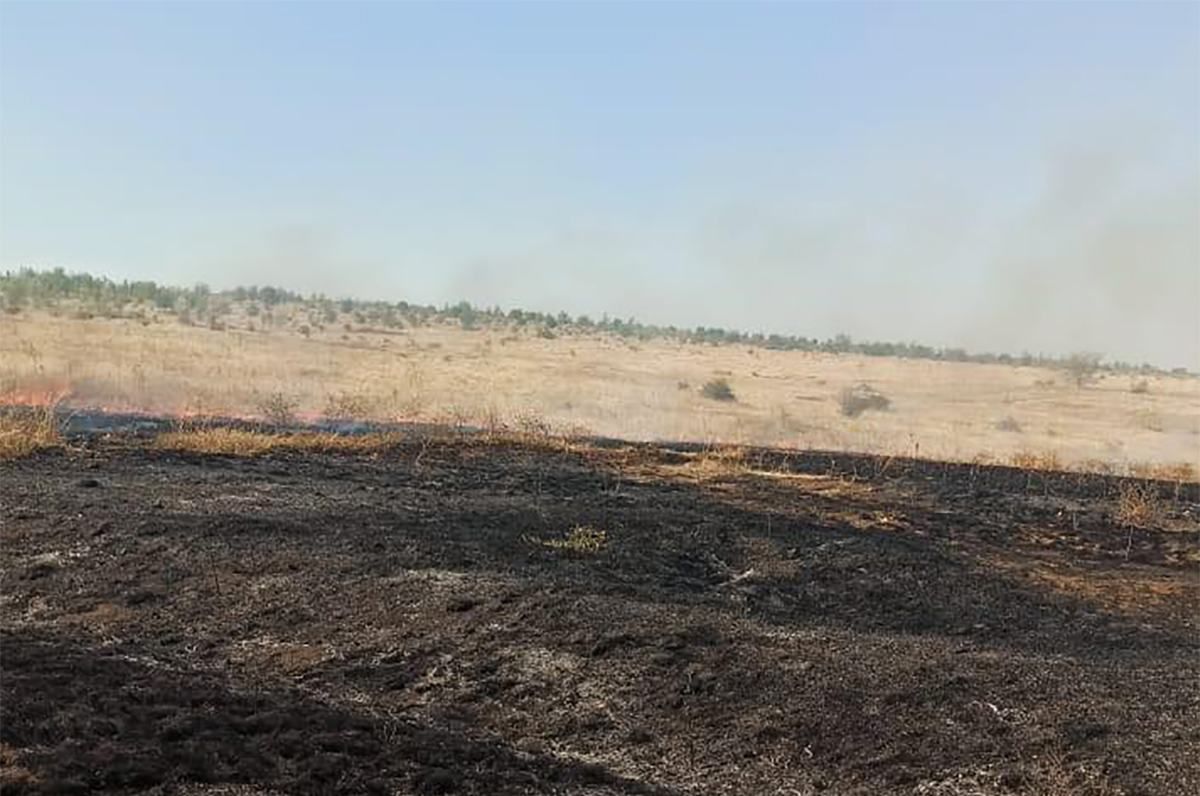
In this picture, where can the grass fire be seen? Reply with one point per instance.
(599, 399)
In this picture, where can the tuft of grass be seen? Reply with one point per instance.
(219, 441)
(532, 426)
(1031, 460)
(27, 430)
(1138, 505)
(582, 540)
(724, 458)
(718, 390)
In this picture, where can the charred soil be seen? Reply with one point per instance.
(457, 616)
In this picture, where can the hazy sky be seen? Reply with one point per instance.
(1001, 176)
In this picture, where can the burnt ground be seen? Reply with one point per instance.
(415, 622)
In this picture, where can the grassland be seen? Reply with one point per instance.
(602, 385)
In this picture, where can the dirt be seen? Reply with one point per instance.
(422, 621)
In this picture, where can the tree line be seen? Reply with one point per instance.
(28, 287)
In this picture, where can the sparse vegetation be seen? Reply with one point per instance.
(718, 390)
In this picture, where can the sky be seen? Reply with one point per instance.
(1000, 176)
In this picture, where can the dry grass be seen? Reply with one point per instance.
(1179, 472)
(1032, 460)
(25, 432)
(1057, 776)
(239, 442)
(723, 459)
(1138, 505)
(582, 540)
(940, 410)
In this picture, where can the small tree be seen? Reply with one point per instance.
(1082, 367)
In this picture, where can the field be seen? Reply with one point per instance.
(604, 385)
(500, 614)
(583, 564)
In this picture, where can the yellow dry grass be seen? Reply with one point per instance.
(581, 540)
(27, 432)
(1138, 505)
(1033, 460)
(1178, 472)
(239, 442)
(516, 380)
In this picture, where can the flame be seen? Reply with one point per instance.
(39, 396)
(60, 394)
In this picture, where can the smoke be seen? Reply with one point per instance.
(1106, 258)
(1095, 247)
(307, 256)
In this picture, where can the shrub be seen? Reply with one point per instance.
(1138, 505)
(1008, 424)
(1149, 420)
(861, 398)
(278, 408)
(347, 406)
(718, 390)
(1140, 387)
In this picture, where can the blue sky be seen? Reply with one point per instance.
(1002, 176)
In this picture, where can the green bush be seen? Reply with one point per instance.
(718, 390)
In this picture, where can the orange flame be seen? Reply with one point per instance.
(40, 395)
